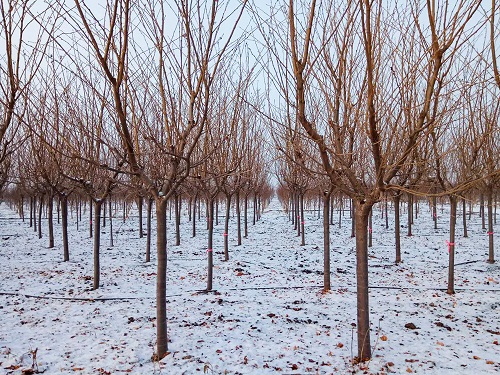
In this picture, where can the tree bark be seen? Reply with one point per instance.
(481, 211)
(178, 203)
(90, 215)
(50, 219)
(226, 228)
(464, 217)
(361, 214)
(326, 241)
(210, 253)
(64, 220)
(491, 249)
(245, 215)
(410, 214)
(451, 246)
(238, 217)
(40, 207)
(194, 216)
(148, 230)
(140, 201)
(161, 278)
(302, 221)
(111, 243)
(97, 243)
(397, 226)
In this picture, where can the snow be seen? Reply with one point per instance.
(267, 313)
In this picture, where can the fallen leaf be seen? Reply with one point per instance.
(476, 357)
(383, 338)
(409, 370)
(340, 345)
(295, 367)
(490, 362)
(440, 343)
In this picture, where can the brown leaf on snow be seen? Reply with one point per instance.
(490, 362)
(340, 345)
(411, 326)
(295, 367)
(476, 357)
(409, 370)
(383, 338)
(440, 343)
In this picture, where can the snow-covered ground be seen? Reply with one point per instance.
(267, 315)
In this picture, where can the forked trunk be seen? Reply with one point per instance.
(361, 213)
(161, 278)
(451, 246)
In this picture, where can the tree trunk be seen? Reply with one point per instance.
(410, 214)
(178, 203)
(161, 278)
(370, 229)
(148, 230)
(110, 209)
(361, 214)
(491, 250)
(31, 212)
(216, 211)
(104, 215)
(326, 241)
(353, 218)
(254, 209)
(50, 218)
(64, 220)
(90, 214)
(481, 212)
(451, 246)
(302, 221)
(397, 226)
(210, 253)
(226, 228)
(464, 217)
(140, 201)
(194, 215)
(40, 207)
(245, 219)
(434, 212)
(97, 243)
(386, 209)
(238, 217)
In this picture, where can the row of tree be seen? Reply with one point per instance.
(369, 98)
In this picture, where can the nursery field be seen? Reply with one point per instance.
(267, 313)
